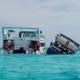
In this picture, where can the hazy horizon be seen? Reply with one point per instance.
(52, 16)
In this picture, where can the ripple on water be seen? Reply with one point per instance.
(39, 67)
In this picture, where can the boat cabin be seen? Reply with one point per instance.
(22, 40)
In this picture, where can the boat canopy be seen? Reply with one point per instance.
(16, 32)
(70, 39)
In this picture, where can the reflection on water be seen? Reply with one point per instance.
(39, 67)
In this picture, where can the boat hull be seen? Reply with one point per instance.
(53, 51)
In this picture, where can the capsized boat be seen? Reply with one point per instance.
(63, 45)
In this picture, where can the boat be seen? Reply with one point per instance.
(22, 40)
(63, 45)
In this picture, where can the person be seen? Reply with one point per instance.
(66, 44)
(8, 34)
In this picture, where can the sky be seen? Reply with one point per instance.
(52, 16)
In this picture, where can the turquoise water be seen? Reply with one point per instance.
(39, 67)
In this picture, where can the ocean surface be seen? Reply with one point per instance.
(39, 67)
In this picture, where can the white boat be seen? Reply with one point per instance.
(22, 40)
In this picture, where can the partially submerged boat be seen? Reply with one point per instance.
(63, 45)
(22, 40)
